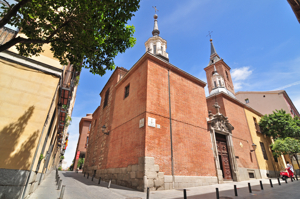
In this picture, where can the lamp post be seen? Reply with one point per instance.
(103, 130)
(254, 147)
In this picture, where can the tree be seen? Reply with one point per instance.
(83, 32)
(80, 162)
(280, 125)
(285, 131)
(286, 146)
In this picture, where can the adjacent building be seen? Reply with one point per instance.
(36, 98)
(84, 131)
(295, 5)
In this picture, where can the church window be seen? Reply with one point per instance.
(154, 49)
(215, 83)
(162, 49)
(220, 83)
(126, 91)
(247, 101)
(106, 98)
(227, 75)
(263, 150)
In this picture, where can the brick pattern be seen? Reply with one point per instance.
(191, 139)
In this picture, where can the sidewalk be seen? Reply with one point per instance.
(78, 186)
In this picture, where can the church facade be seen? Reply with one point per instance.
(156, 128)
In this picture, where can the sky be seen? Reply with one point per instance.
(259, 40)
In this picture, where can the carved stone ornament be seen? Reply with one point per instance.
(218, 121)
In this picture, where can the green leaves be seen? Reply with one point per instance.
(285, 146)
(86, 33)
(280, 125)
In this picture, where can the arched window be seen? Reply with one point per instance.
(215, 83)
(220, 83)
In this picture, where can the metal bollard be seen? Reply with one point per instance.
(99, 180)
(261, 185)
(184, 194)
(271, 183)
(62, 192)
(59, 184)
(296, 177)
(109, 184)
(278, 181)
(148, 192)
(249, 186)
(235, 190)
(88, 176)
(57, 180)
(285, 180)
(217, 193)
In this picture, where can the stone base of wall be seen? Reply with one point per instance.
(188, 181)
(269, 174)
(244, 173)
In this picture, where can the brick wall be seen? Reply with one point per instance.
(191, 140)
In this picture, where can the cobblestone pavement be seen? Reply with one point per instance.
(78, 187)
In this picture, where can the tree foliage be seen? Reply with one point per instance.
(280, 125)
(83, 32)
(285, 131)
(286, 146)
(80, 162)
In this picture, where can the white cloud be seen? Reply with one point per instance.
(73, 139)
(241, 73)
(287, 86)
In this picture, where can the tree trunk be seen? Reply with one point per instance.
(295, 155)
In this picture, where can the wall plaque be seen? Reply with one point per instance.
(141, 123)
(151, 121)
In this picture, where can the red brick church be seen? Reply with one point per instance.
(156, 128)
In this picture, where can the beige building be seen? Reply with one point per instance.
(268, 101)
(36, 94)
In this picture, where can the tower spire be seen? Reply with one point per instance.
(155, 31)
(212, 48)
(214, 57)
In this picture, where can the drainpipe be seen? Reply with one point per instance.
(36, 151)
(172, 159)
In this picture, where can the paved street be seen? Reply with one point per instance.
(78, 186)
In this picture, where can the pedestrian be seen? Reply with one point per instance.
(290, 169)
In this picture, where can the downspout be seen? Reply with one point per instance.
(172, 159)
(36, 151)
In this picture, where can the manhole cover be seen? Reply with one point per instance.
(225, 197)
(182, 189)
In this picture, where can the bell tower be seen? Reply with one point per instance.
(157, 45)
(217, 66)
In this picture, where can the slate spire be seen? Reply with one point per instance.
(214, 57)
(212, 48)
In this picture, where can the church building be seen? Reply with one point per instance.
(156, 128)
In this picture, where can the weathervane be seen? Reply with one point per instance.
(209, 34)
(155, 9)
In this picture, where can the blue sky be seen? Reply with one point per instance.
(259, 40)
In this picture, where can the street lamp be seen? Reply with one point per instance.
(254, 147)
(103, 130)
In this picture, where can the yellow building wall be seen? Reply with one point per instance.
(25, 98)
(269, 164)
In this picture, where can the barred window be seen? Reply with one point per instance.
(126, 91)
(106, 98)
(263, 150)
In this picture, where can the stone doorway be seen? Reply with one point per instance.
(223, 156)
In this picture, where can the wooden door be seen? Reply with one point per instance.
(224, 158)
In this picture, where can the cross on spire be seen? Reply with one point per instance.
(155, 9)
(209, 34)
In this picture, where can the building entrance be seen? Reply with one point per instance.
(223, 156)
